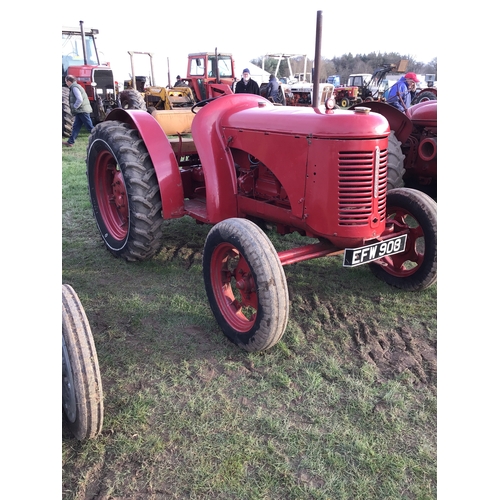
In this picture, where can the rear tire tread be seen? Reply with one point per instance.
(145, 207)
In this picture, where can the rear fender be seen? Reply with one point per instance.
(162, 157)
(398, 121)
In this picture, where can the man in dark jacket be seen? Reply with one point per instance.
(179, 82)
(80, 108)
(246, 85)
(272, 89)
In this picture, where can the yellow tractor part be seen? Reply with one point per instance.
(168, 98)
(174, 121)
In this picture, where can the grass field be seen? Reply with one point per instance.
(343, 407)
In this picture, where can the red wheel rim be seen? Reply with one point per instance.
(234, 287)
(111, 195)
(406, 263)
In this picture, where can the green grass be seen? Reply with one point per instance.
(343, 407)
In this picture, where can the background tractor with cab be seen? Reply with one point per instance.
(80, 58)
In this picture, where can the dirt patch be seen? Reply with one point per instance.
(395, 351)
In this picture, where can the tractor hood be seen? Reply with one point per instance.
(260, 115)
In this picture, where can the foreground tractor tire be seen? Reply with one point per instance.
(395, 163)
(124, 191)
(245, 284)
(425, 95)
(82, 396)
(415, 213)
(67, 117)
(132, 99)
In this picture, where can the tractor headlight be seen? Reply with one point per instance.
(330, 103)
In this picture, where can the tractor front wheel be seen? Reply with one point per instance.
(245, 284)
(82, 396)
(124, 191)
(344, 102)
(414, 213)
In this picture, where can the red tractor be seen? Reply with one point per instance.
(210, 74)
(316, 171)
(322, 174)
(412, 145)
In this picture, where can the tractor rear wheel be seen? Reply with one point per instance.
(82, 396)
(132, 99)
(124, 191)
(395, 163)
(245, 284)
(414, 213)
(425, 95)
(67, 117)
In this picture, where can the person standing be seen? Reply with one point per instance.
(272, 89)
(404, 90)
(246, 85)
(80, 108)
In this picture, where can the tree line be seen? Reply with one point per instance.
(346, 64)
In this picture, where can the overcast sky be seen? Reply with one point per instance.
(245, 32)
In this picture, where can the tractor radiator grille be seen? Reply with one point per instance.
(360, 200)
(104, 79)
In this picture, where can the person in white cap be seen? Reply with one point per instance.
(403, 91)
(246, 85)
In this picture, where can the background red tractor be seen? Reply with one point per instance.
(209, 75)
(80, 58)
(318, 172)
(413, 145)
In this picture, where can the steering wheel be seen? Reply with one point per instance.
(200, 104)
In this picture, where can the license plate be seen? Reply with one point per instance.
(361, 255)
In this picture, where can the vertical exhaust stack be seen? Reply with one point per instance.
(317, 58)
(83, 44)
(217, 76)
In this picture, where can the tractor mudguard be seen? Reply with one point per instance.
(398, 121)
(217, 161)
(424, 114)
(162, 156)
